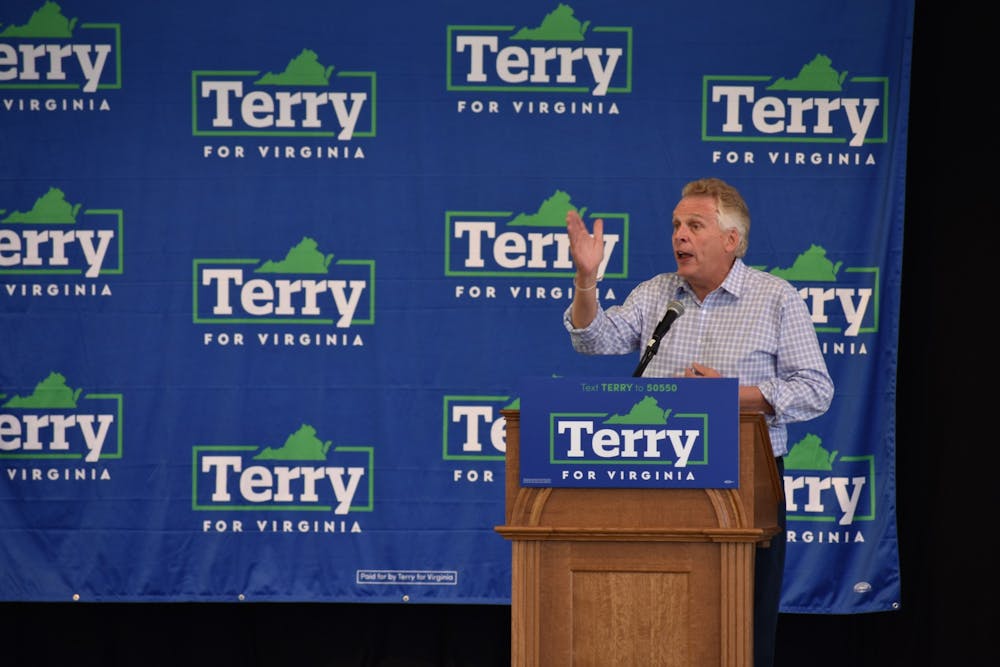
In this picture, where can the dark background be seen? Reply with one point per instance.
(942, 457)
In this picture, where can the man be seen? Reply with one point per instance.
(737, 322)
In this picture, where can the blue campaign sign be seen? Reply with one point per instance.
(608, 432)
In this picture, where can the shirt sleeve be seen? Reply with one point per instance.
(615, 330)
(802, 388)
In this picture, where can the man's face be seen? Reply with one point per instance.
(704, 252)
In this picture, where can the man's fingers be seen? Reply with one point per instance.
(578, 233)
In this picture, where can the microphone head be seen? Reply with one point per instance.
(676, 306)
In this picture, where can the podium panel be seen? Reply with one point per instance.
(656, 577)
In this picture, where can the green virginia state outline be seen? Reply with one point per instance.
(47, 21)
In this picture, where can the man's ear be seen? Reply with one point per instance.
(732, 239)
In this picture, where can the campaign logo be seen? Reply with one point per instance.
(532, 245)
(52, 63)
(823, 487)
(307, 289)
(475, 431)
(841, 114)
(842, 301)
(308, 106)
(58, 248)
(59, 433)
(304, 474)
(644, 445)
(569, 66)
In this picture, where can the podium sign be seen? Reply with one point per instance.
(638, 433)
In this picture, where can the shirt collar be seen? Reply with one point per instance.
(733, 284)
(736, 279)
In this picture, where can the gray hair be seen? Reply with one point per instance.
(731, 209)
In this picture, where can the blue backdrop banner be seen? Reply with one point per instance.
(269, 273)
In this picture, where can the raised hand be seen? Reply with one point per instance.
(587, 249)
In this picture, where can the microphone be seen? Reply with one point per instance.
(674, 310)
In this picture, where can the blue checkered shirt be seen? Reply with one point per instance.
(754, 327)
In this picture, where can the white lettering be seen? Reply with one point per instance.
(795, 115)
(281, 484)
(283, 297)
(261, 109)
(45, 61)
(514, 64)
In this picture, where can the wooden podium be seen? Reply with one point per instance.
(650, 577)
